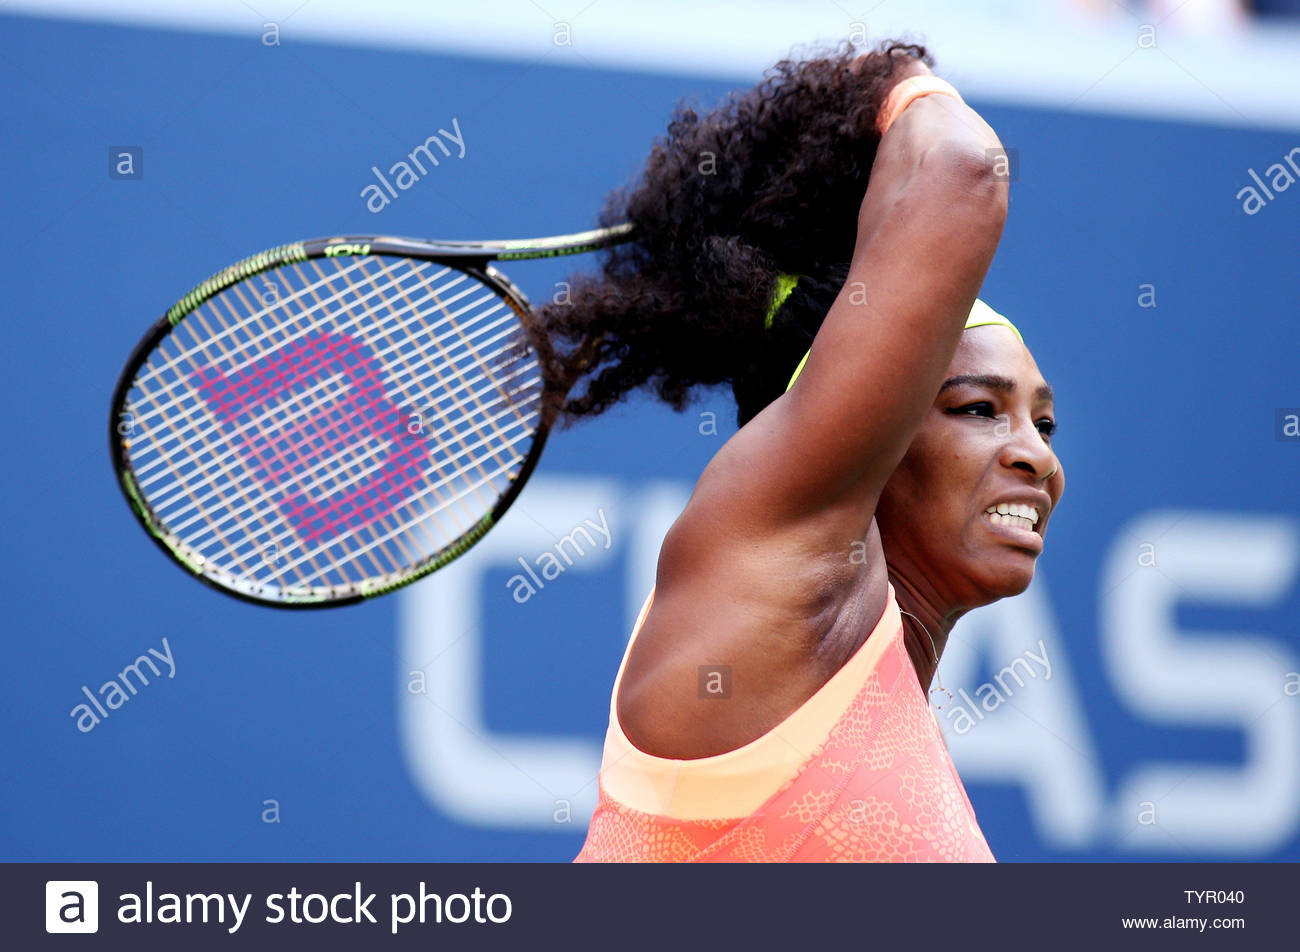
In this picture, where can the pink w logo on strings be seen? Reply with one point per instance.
(317, 399)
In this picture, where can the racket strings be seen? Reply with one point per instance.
(462, 407)
(454, 433)
(276, 449)
(204, 344)
(508, 333)
(265, 525)
(347, 477)
(448, 479)
(442, 503)
(490, 441)
(436, 433)
(262, 342)
(344, 425)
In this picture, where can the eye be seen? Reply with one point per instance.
(985, 408)
(1046, 426)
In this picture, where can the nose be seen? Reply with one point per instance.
(1026, 449)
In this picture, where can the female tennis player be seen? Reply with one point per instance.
(772, 702)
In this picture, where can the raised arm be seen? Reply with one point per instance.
(757, 569)
(928, 227)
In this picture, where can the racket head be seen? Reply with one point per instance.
(330, 420)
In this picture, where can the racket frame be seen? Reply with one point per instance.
(472, 257)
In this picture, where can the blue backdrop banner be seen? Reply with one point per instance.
(463, 718)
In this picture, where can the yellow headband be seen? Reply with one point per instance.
(784, 285)
(980, 315)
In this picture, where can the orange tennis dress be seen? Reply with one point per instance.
(859, 772)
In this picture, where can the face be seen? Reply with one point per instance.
(984, 444)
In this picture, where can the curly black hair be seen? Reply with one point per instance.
(769, 182)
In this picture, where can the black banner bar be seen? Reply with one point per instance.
(504, 906)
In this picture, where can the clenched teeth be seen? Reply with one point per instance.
(1014, 514)
(1018, 522)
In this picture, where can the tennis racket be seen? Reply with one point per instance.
(333, 419)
